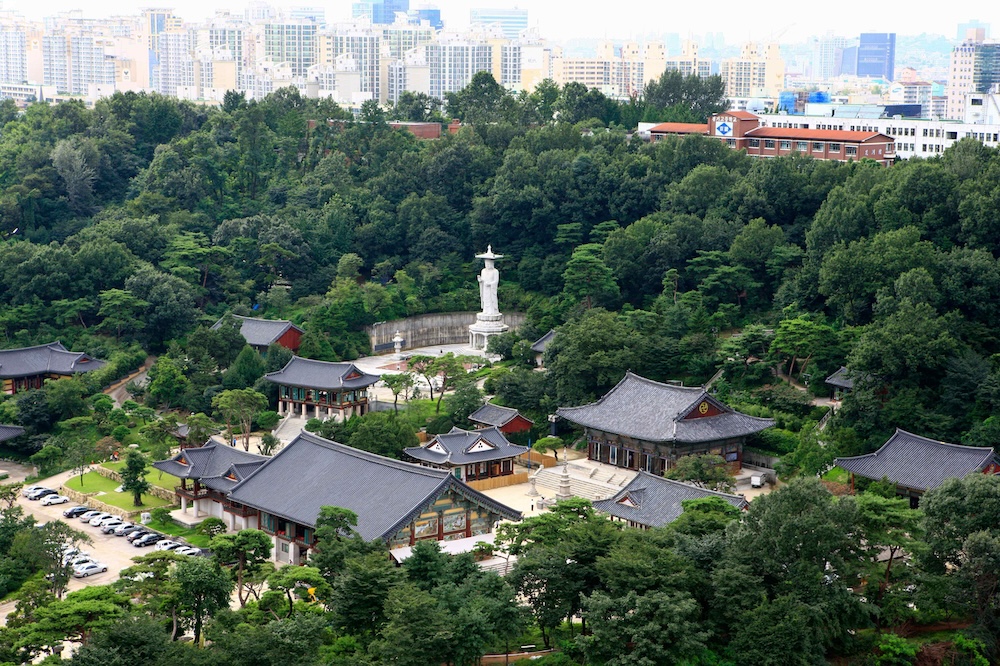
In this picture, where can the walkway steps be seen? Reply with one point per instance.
(581, 484)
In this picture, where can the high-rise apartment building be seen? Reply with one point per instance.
(174, 68)
(511, 21)
(453, 60)
(688, 63)
(291, 41)
(619, 72)
(13, 55)
(975, 67)
(759, 71)
(877, 55)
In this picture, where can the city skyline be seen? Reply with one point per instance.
(784, 22)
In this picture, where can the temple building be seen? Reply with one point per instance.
(261, 333)
(397, 502)
(917, 464)
(645, 425)
(470, 455)
(322, 389)
(841, 381)
(28, 367)
(9, 432)
(507, 419)
(539, 346)
(653, 501)
(207, 475)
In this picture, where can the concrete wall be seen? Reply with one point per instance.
(448, 328)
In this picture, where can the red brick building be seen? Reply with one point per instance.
(741, 130)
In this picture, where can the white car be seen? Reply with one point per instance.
(188, 550)
(40, 493)
(99, 518)
(120, 530)
(49, 500)
(88, 568)
(85, 517)
(167, 544)
(110, 526)
(107, 519)
(27, 490)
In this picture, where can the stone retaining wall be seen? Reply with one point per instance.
(427, 330)
(98, 505)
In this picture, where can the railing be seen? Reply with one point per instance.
(714, 379)
(823, 421)
(243, 511)
(190, 493)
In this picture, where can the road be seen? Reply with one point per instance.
(117, 390)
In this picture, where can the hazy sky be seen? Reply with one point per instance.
(561, 19)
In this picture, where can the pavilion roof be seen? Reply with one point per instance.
(52, 358)
(917, 462)
(465, 447)
(308, 373)
(260, 332)
(495, 415)
(647, 410)
(655, 501)
(205, 462)
(311, 472)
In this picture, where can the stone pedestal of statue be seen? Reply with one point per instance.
(489, 322)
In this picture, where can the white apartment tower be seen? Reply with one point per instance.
(13, 55)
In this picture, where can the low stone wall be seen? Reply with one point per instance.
(445, 328)
(155, 491)
(91, 501)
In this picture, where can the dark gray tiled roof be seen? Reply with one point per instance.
(227, 480)
(650, 411)
(917, 462)
(841, 379)
(260, 332)
(312, 472)
(495, 415)
(307, 373)
(208, 461)
(657, 500)
(52, 358)
(457, 446)
(541, 343)
(9, 432)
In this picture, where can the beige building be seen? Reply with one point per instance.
(975, 67)
(619, 72)
(759, 71)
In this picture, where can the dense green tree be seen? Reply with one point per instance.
(203, 589)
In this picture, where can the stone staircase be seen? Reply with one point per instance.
(589, 483)
(289, 428)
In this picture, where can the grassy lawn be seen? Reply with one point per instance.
(92, 483)
(188, 534)
(837, 475)
(154, 476)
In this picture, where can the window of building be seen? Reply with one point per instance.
(769, 143)
(976, 102)
(802, 146)
(755, 143)
(817, 147)
(613, 455)
(786, 145)
(852, 151)
(834, 147)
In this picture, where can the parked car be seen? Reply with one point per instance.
(147, 540)
(107, 519)
(188, 550)
(86, 516)
(113, 525)
(69, 552)
(141, 532)
(89, 568)
(167, 544)
(96, 520)
(76, 511)
(27, 490)
(50, 500)
(40, 493)
(78, 559)
(127, 529)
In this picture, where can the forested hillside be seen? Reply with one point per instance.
(132, 227)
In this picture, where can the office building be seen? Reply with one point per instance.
(379, 12)
(827, 56)
(511, 21)
(877, 55)
(972, 24)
